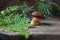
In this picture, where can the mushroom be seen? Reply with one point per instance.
(37, 17)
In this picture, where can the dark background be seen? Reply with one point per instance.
(5, 3)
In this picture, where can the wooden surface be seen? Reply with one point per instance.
(51, 27)
(47, 30)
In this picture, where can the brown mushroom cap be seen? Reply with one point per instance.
(38, 15)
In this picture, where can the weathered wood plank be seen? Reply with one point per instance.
(48, 30)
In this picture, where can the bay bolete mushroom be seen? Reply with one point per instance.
(37, 17)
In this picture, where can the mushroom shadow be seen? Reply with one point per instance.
(45, 24)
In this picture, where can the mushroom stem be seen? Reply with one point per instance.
(35, 21)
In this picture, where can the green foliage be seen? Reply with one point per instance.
(43, 7)
(16, 9)
(55, 10)
(20, 25)
(48, 8)
(14, 19)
